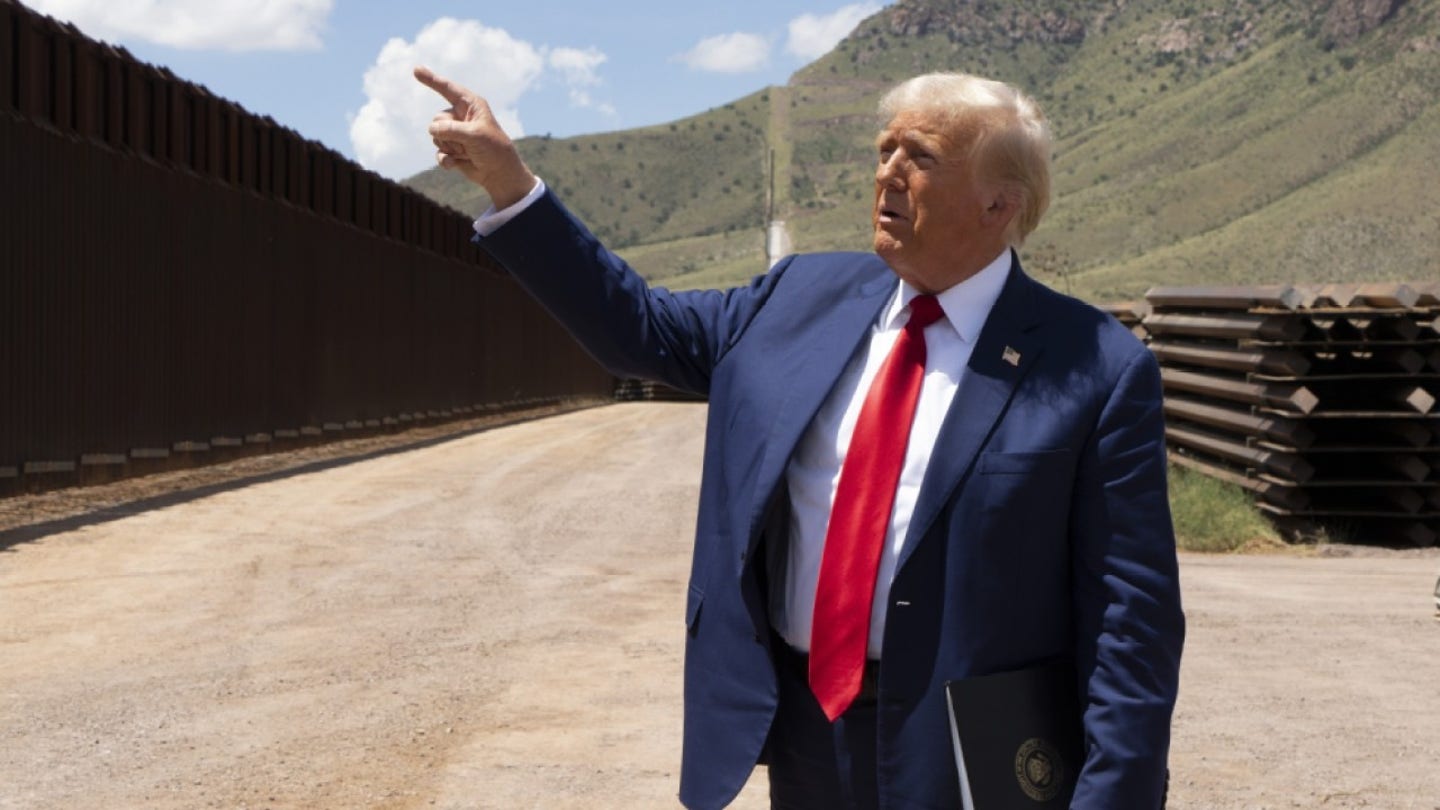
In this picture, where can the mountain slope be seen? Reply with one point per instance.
(698, 182)
(1197, 141)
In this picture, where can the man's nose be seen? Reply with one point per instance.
(890, 171)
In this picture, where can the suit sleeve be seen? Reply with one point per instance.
(632, 329)
(1129, 624)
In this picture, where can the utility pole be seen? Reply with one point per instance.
(770, 190)
(777, 241)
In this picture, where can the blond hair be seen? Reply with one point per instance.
(1008, 135)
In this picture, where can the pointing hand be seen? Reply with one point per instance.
(469, 140)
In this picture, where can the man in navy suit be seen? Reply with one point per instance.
(1027, 519)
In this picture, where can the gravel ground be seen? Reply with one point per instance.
(494, 621)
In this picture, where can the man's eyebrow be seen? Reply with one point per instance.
(911, 135)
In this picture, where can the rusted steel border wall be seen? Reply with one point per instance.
(1323, 402)
(179, 276)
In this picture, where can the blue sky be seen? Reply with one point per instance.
(337, 71)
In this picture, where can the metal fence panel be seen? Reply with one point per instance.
(178, 276)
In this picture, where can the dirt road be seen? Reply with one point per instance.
(495, 622)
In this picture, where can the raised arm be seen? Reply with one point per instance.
(631, 329)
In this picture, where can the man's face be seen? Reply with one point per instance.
(934, 221)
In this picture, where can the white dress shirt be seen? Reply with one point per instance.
(491, 220)
(814, 469)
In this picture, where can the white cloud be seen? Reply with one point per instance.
(728, 53)
(577, 70)
(813, 35)
(226, 25)
(389, 131)
(577, 66)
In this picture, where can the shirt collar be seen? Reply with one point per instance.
(966, 304)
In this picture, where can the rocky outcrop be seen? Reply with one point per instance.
(975, 21)
(1348, 20)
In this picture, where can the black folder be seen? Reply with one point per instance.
(1017, 737)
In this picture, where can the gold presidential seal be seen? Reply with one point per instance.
(1039, 769)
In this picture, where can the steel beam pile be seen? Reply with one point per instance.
(1132, 314)
(1324, 402)
(630, 390)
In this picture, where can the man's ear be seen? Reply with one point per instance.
(1004, 205)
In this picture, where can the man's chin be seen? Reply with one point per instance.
(885, 245)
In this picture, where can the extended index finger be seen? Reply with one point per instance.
(453, 93)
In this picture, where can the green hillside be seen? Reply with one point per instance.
(1208, 141)
(687, 195)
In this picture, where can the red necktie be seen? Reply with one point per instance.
(860, 517)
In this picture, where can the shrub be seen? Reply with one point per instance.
(1211, 515)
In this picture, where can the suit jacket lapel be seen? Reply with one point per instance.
(1004, 352)
(810, 372)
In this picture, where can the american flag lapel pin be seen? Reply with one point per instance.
(1011, 356)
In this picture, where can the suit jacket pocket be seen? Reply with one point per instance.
(1021, 463)
(1023, 501)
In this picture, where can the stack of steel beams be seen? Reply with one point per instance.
(1132, 314)
(630, 390)
(1322, 401)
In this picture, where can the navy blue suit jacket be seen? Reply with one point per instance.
(1042, 526)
